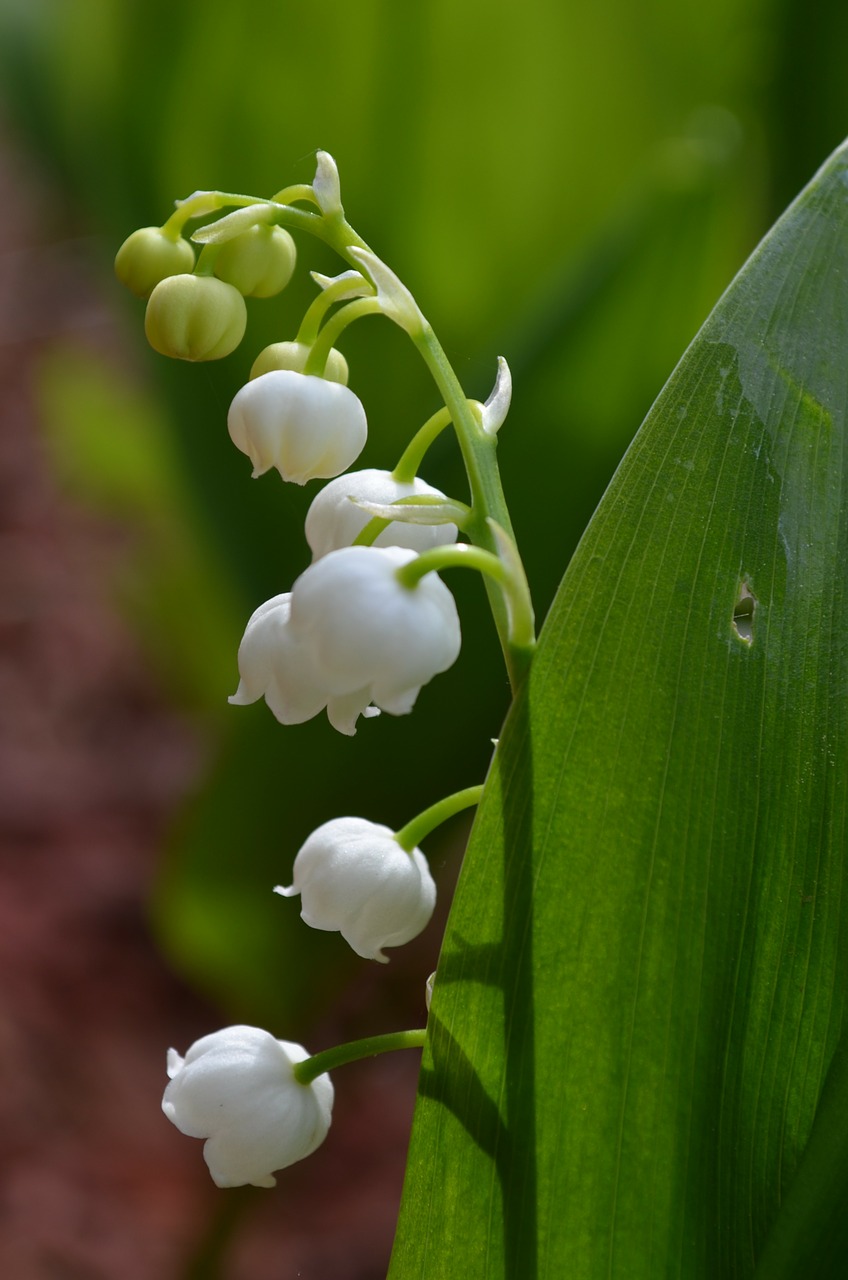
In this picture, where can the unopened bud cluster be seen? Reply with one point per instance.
(201, 315)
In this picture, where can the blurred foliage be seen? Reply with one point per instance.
(570, 186)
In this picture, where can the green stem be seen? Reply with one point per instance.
(205, 265)
(300, 191)
(410, 836)
(461, 555)
(515, 606)
(375, 526)
(318, 308)
(410, 460)
(370, 532)
(308, 1070)
(336, 325)
(478, 450)
(202, 203)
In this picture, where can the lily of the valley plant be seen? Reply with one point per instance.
(361, 631)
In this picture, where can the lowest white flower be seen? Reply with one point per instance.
(348, 635)
(236, 1088)
(353, 876)
(305, 426)
(334, 521)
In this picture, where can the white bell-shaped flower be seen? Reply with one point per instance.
(304, 426)
(237, 1089)
(273, 666)
(346, 636)
(353, 876)
(334, 521)
(368, 635)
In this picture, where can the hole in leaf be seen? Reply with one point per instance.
(743, 613)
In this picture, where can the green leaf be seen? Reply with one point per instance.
(810, 1235)
(643, 981)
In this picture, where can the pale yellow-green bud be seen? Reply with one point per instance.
(259, 262)
(148, 256)
(293, 356)
(195, 318)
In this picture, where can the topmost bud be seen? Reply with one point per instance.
(326, 185)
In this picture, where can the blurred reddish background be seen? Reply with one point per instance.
(94, 1182)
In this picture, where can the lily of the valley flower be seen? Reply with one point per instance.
(236, 1088)
(334, 520)
(273, 665)
(354, 877)
(348, 635)
(305, 426)
(368, 635)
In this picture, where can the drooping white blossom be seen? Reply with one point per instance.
(305, 426)
(273, 666)
(236, 1088)
(366, 633)
(346, 636)
(334, 520)
(354, 877)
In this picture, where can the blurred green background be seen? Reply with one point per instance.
(569, 186)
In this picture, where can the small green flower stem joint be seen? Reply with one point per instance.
(200, 205)
(335, 292)
(326, 339)
(410, 836)
(369, 1047)
(416, 505)
(413, 455)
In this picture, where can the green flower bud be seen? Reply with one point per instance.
(148, 256)
(259, 262)
(195, 318)
(293, 355)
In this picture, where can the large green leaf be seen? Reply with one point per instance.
(643, 982)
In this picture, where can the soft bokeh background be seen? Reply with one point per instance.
(571, 187)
